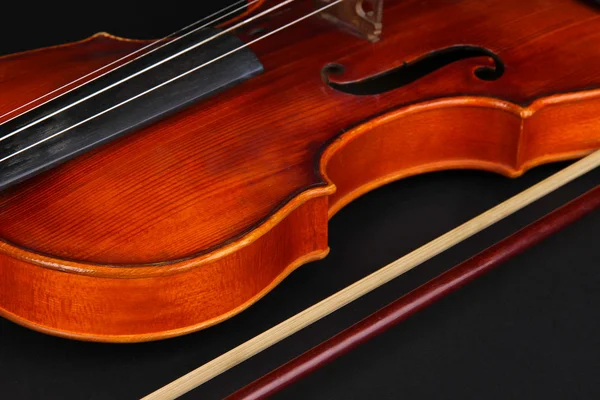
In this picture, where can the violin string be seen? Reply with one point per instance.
(185, 73)
(350, 293)
(50, 115)
(179, 34)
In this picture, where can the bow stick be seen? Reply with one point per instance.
(416, 300)
(358, 289)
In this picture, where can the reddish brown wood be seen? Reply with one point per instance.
(194, 218)
(409, 304)
(252, 7)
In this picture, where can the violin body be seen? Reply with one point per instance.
(190, 220)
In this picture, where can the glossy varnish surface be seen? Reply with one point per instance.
(191, 196)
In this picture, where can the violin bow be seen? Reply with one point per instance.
(378, 278)
(418, 299)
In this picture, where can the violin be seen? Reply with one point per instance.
(151, 189)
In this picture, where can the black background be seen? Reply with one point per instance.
(527, 330)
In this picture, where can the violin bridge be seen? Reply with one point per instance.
(361, 18)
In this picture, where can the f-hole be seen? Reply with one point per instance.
(411, 71)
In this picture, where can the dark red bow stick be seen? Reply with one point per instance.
(419, 298)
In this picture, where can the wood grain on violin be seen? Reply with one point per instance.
(190, 220)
